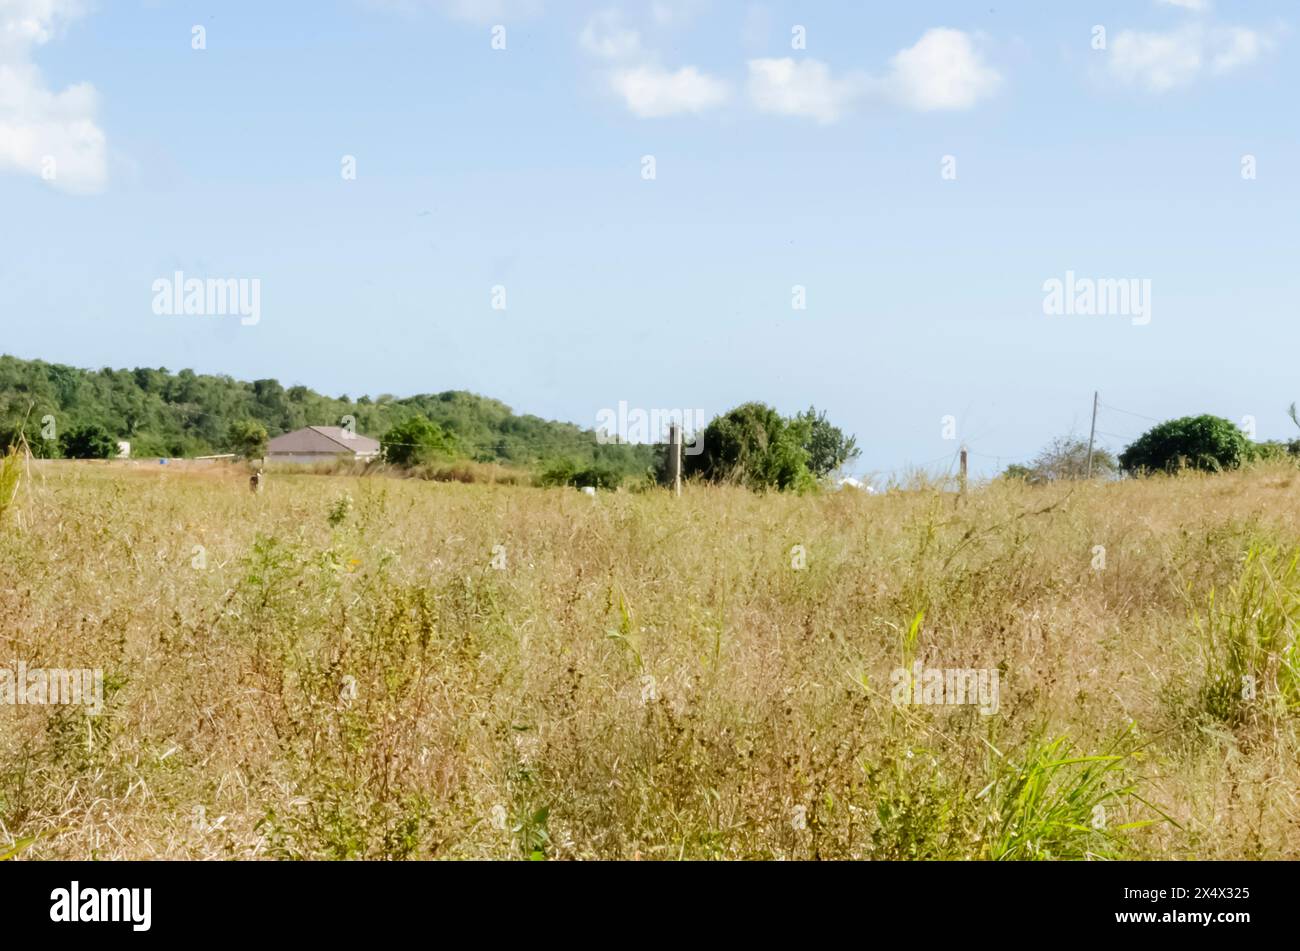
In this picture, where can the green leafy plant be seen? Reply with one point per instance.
(754, 446)
(10, 475)
(20, 846)
(247, 439)
(416, 441)
(1251, 646)
(1198, 442)
(567, 472)
(88, 442)
(827, 447)
(1050, 802)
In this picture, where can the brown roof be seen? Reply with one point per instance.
(322, 439)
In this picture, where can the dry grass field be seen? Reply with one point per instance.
(352, 668)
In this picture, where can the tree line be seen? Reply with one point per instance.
(70, 412)
(1207, 443)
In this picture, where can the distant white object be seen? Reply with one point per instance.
(589, 489)
(848, 482)
(123, 449)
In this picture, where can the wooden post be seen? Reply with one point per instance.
(961, 489)
(675, 456)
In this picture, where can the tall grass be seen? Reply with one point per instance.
(10, 475)
(1251, 649)
(343, 667)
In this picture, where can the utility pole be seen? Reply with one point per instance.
(1092, 432)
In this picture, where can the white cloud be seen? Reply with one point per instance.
(1196, 6)
(605, 36)
(650, 90)
(1240, 47)
(944, 70)
(1163, 61)
(43, 131)
(1158, 61)
(804, 87)
(653, 92)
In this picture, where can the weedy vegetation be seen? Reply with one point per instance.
(349, 667)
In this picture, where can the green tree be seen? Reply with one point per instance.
(89, 441)
(13, 435)
(1200, 442)
(186, 414)
(247, 438)
(1018, 471)
(416, 441)
(752, 445)
(827, 446)
(567, 472)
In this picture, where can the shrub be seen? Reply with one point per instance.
(752, 445)
(827, 447)
(417, 440)
(566, 472)
(1199, 442)
(33, 434)
(247, 439)
(88, 442)
(1273, 450)
(1064, 458)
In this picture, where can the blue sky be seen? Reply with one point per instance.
(774, 167)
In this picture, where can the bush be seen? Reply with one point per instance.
(752, 445)
(1274, 450)
(33, 434)
(247, 439)
(1064, 458)
(827, 447)
(566, 472)
(88, 442)
(416, 441)
(1199, 442)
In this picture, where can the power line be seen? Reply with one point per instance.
(1126, 412)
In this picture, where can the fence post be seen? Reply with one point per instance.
(675, 456)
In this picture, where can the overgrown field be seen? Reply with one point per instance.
(376, 668)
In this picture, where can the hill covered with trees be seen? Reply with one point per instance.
(189, 414)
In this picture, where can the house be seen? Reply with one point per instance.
(322, 444)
